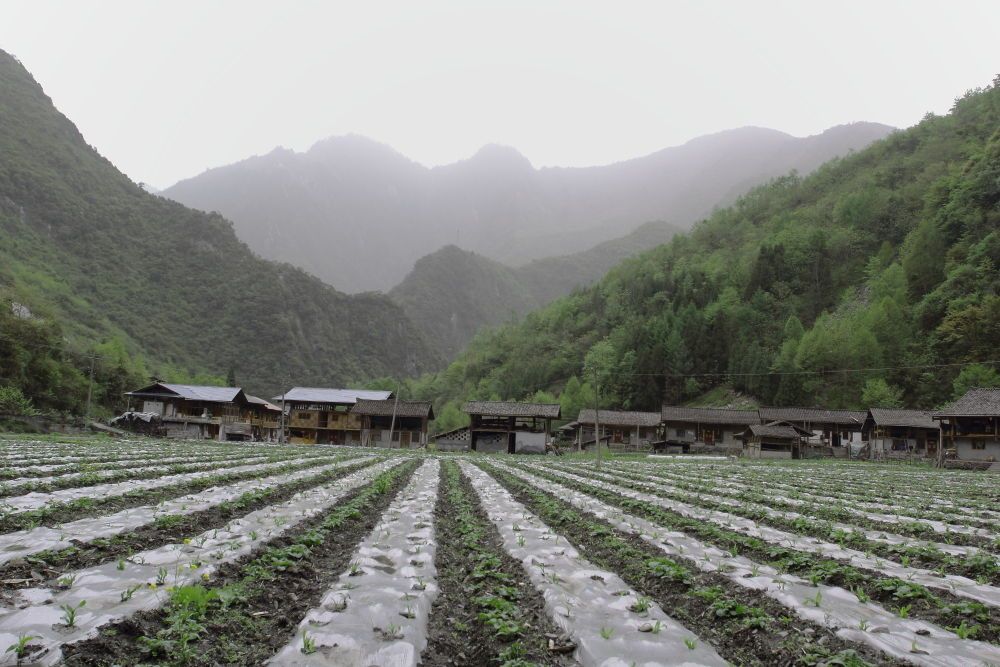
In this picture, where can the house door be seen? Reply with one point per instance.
(404, 439)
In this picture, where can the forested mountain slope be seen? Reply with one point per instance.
(452, 294)
(358, 214)
(91, 262)
(886, 259)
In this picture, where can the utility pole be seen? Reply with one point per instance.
(597, 419)
(90, 384)
(281, 432)
(392, 424)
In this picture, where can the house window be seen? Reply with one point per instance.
(680, 433)
(979, 444)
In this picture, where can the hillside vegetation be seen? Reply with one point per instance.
(452, 294)
(886, 259)
(90, 264)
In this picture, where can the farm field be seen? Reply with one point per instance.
(198, 553)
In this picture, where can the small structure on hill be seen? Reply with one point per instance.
(893, 434)
(774, 440)
(196, 411)
(318, 415)
(622, 430)
(393, 423)
(834, 428)
(970, 426)
(505, 426)
(706, 429)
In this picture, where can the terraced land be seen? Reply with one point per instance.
(190, 553)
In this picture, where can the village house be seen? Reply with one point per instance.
(318, 415)
(502, 426)
(265, 419)
(893, 434)
(393, 423)
(706, 429)
(774, 440)
(621, 430)
(970, 426)
(832, 428)
(194, 411)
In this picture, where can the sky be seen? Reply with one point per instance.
(168, 89)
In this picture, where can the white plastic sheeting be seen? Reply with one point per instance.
(38, 613)
(586, 602)
(908, 640)
(936, 525)
(660, 481)
(160, 467)
(962, 586)
(32, 501)
(74, 533)
(378, 617)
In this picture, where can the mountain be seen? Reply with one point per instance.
(90, 259)
(873, 280)
(452, 294)
(358, 214)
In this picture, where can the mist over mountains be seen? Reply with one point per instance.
(358, 214)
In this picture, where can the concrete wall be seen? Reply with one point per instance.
(966, 453)
(491, 443)
(529, 443)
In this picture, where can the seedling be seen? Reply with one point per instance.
(641, 605)
(66, 581)
(161, 576)
(815, 600)
(127, 593)
(690, 643)
(20, 647)
(69, 613)
(606, 633)
(308, 643)
(121, 564)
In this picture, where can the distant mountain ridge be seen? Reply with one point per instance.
(359, 214)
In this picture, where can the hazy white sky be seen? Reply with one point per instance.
(168, 89)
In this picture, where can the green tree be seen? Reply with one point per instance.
(975, 375)
(877, 393)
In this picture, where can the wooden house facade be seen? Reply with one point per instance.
(504, 426)
(706, 429)
(265, 419)
(774, 440)
(832, 428)
(620, 430)
(316, 415)
(900, 434)
(392, 423)
(970, 426)
(195, 411)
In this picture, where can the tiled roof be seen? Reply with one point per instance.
(267, 405)
(774, 431)
(323, 395)
(906, 418)
(709, 415)
(620, 418)
(977, 402)
(192, 392)
(512, 409)
(386, 407)
(814, 416)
